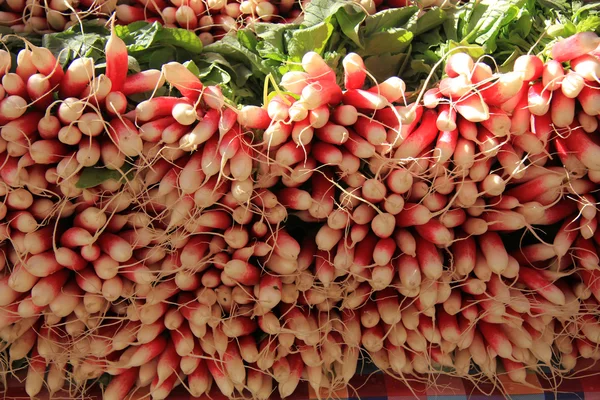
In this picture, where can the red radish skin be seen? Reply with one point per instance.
(529, 66)
(432, 97)
(434, 232)
(574, 46)
(316, 67)
(430, 261)
(45, 62)
(588, 98)
(583, 147)
(535, 281)
(553, 75)
(423, 136)
(496, 338)
(393, 89)
(354, 71)
(223, 382)
(183, 79)
(365, 100)
(77, 77)
(121, 384)
(116, 61)
(538, 99)
(323, 92)
(144, 81)
(507, 86)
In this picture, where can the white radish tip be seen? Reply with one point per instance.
(310, 57)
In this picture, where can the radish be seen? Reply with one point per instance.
(143, 81)
(399, 250)
(393, 89)
(507, 86)
(553, 75)
(116, 60)
(575, 46)
(180, 77)
(77, 77)
(35, 374)
(572, 84)
(120, 385)
(295, 81)
(354, 71)
(538, 99)
(455, 87)
(546, 289)
(584, 148)
(529, 66)
(421, 138)
(45, 62)
(459, 63)
(316, 67)
(363, 99)
(13, 84)
(588, 98)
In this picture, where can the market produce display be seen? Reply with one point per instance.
(252, 195)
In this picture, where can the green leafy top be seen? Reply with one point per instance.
(144, 42)
(333, 29)
(150, 46)
(400, 41)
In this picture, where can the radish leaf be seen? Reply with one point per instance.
(315, 38)
(388, 19)
(94, 176)
(349, 23)
(318, 11)
(392, 41)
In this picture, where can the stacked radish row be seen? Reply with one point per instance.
(52, 16)
(211, 19)
(207, 17)
(253, 249)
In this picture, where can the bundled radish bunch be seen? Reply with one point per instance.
(183, 241)
(211, 19)
(449, 178)
(181, 222)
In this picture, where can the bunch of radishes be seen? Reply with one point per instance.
(263, 246)
(207, 17)
(52, 16)
(211, 19)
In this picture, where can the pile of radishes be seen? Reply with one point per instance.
(207, 17)
(211, 19)
(252, 248)
(54, 15)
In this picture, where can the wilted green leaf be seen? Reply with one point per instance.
(392, 41)
(388, 19)
(349, 22)
(160, 57)
(315, 38)
(318, 11)
(385, 66)
(94, 176)
(140, 36)
(247, 39)
(72, 43)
